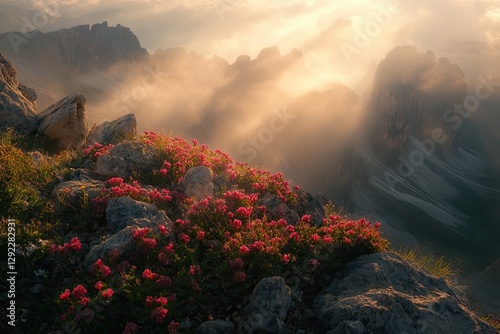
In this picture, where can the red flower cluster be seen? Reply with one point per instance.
(96, 150)
(78, 293)
(100, 269)
(229, 237)
(73, 245)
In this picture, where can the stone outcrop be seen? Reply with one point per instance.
(122, 240)
(122, 211)
(276, 208)
(64, 122)
(411, 93)
(17, 102)
(117, 131)
(76, 194)
(308, 204)
(198, 182)
(268, 307)
(125, 159)
(381, 293)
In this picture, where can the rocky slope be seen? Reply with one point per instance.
(63, 123)
(411, 93)
(377, 293)
(18, 102)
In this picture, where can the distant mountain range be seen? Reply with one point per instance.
(78, 48)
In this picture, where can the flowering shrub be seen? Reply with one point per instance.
(213, 253)
(73, 245)
(117, 187)
(96, 150)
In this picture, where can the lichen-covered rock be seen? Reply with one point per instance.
(76, 194)
(381, 293)
(216, 327)
(125, 159)
(17, 102)
(198, 182)
(64, 122)
(40, 159)
(267, 308)
(117, 131)
(122, 211)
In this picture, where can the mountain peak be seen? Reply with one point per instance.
(80, 47)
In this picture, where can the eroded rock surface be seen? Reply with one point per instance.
(381, 293)
(64, 122)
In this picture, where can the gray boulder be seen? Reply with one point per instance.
(198, 182)
(117, 131)
(122, 211)
(17, 102)
(64, 122)
(216, 327)
(381, 293)
(310, 205)
(76, 194)
(125, 159)
(122, 240)
(267, 308)
(276, 208)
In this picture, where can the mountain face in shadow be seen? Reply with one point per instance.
(429, 178)
(78, 48)
(410, 98)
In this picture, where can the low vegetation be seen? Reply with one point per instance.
(196, 268)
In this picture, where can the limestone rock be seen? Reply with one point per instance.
(268, 307)
(126, 158)
(117, 131)
(17, 102)
(411, 92)
(198, 182)
(216, 327)
(276, 208)
(381, 293)
(309, 205)
(71, 193)
(64, 122)
(122, 240)
(121, 212)
(28, 93)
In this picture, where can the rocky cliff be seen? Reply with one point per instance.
(17, 101)
(410, 98)
(79, 47)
